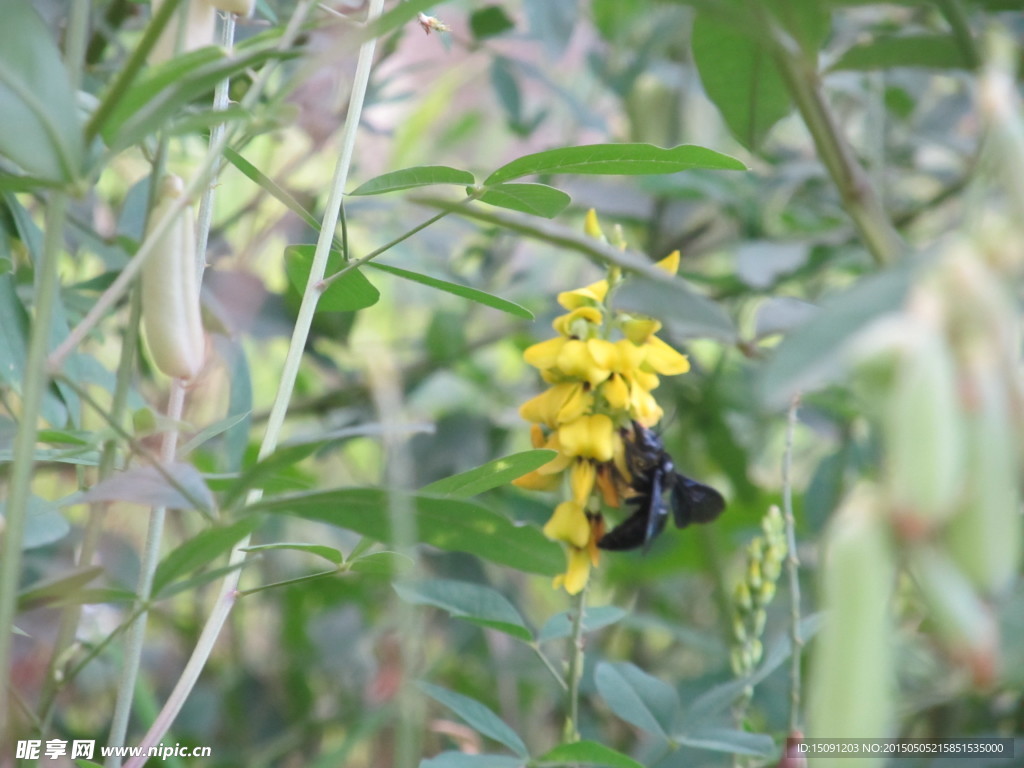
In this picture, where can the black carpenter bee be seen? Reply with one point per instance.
(653, 482)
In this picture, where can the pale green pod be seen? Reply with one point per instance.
(240, 7)
(171, 314)
(923, 434)
(961, 620)
(188, 29)
(984, 537)
(850, 688)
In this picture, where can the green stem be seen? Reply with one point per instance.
(792, 569)
(860, 199)
(954, 14)
(576, 659)
(34, 386)
(304, 319)
(549, 665)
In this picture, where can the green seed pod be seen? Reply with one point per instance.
(741, 595)
(923, 435)
(851, 680)
(739, 628)
(170, 290)
(984, 537)
(735, 659)
(240, 7)
(962, 622)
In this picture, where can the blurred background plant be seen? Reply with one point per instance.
(280, 548)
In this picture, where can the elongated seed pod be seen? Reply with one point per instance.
(984, 536)
(170, 290)
(851, 677)
(923, 434)
(240, 7)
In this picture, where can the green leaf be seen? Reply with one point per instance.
(615, 159)
(477, 715)
(384, 563)
(472, 602)
(740, 77)
(57, 589)
(493, 474)
(408, 178)
(154, 101)
(200, 550)
(327, 553)
(44, 524)
(489, 21)
(349, 293)
(685, 313)
(535, 199)
(637, 697)
(924, 51)
(730, 740)
(450, 524)
(587, 753)
(594, 618)
(210, 432)
(463, 291)
(465, 760)
(13, 334)
(42, 132)
(815, 353)
(146, 486)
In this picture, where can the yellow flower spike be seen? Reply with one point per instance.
(588, 437)
(639, 329)
(616, 392)
(663, 359)
(544, 354)
(670, 263)
(544, 408)
(591, 226)
(577, 572)
(577, 322)
(569, 523)
(581, 480)
(579, 402)
(586, 296)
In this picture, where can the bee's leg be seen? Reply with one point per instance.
(656, 507)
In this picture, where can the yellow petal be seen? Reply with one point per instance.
(639, 329)
(576, 362)
(604, 353)
(544, 354)
(644, 408)
(591, 226)
(568, 523)
(580, 401)
(535, 481)
(663, 359)
(581, 480)
(589, 437)
(670, 263)
(544, 408)
(537, 436)
(616, 392)
(577, 572)
(631, 356)
(586, 296)
(645, 380)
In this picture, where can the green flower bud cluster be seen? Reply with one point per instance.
(765, 556)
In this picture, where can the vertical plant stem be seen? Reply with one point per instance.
(576, 660)
(34, 386)
(860, 199)
(792, 569)
(229, 587)
(144, 590)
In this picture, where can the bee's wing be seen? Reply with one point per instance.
(694, 502)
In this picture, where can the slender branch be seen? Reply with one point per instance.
(550, 666)
(792, 569)
(228, 591)
(859, 197)
(34, 387)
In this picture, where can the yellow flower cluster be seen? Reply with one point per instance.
(602, 367)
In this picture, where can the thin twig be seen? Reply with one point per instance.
(792, 569)
(576, 660)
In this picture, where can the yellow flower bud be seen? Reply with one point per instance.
(591, 226)
(670, 263)
(579, 322)
(577, 572)
(639, 329)
(171, 313)
(568, 523)
(586, 296)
